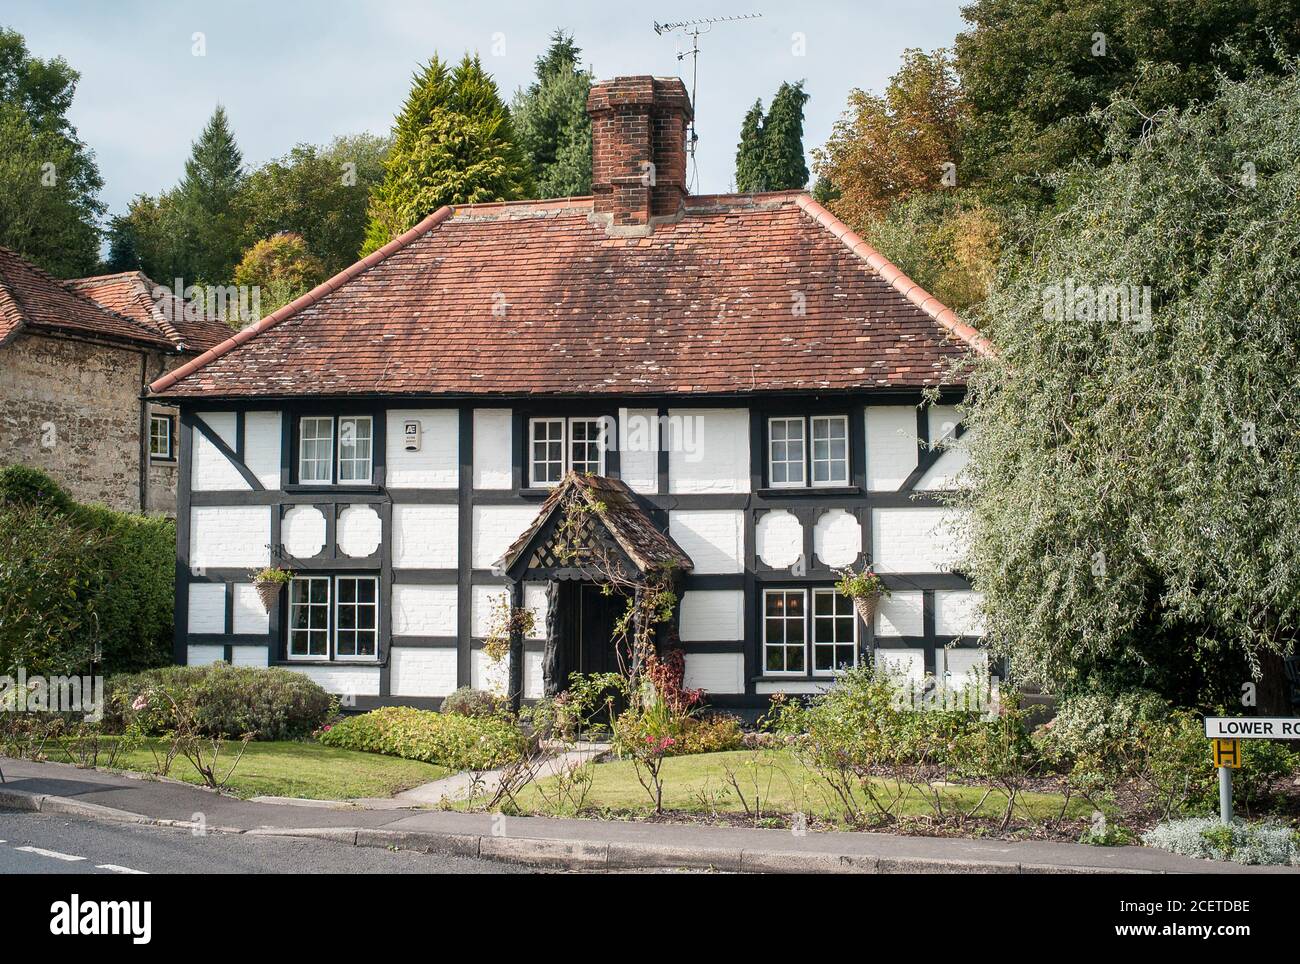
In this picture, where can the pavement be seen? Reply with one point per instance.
(61, 789)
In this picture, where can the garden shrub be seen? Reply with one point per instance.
(458, 742)
(229, 701)
(1243, 841)
(468, 701)
(713, 733)
(1100, 724)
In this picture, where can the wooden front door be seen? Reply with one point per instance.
(593, 637)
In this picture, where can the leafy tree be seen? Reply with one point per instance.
(1134, 505)
(453, 143)
(282, 267)
(885, 149)
(784, 168)
(123, 246)
(319, 193)
(49, 183)
(551, 119)
(1034, 70)
(205, 202)
(749, 153)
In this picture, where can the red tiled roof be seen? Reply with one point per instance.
(30, 298)
(744, 293)
(131, 293)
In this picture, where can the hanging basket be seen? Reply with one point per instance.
(867, 607)
(268, 591)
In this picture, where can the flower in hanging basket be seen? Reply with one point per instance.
(865, 588)
(269, 582)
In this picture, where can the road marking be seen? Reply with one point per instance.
(50, 853)
(119, 870)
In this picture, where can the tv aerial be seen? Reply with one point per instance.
(693, 29)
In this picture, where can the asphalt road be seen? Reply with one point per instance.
(37, 843)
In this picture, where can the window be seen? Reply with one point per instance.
(785, 444)
(783, 630)
(352, 633)
(316, 461)
(808, 451)
(160, 437)
(558, 445)
(835, 632)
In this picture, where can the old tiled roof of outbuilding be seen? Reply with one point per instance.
(134, 294)
(30, 299)
(740, 294)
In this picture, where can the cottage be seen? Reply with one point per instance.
(737, 378)
(76, 358)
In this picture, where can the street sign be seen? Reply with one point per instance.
(1252, 728)
(1227, 753)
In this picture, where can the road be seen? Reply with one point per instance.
(37, 843)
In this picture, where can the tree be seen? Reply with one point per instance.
(453, 143)
(749, 152)
(885, 149)
(551, 119)
(282, 268)
(320, 193)
(1134, 457)
(205, 201)
(49, 183)
(1034, 71)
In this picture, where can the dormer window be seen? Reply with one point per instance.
(808, 451)
(323, 462)
(557, 446)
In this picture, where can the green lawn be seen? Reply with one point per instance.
(291, 769)
(699, 784)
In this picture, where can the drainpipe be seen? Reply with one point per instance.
(144, 433)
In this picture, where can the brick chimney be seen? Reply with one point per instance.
(638, 150)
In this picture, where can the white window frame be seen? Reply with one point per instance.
(369, 460)
(784, 645)
(802, 461)
(316, 459)
(839, 601)
(829, 460)
(329, 609)
(154, 419)
(337, 623)
(335, 458)
(567, 442)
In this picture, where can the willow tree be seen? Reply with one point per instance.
(1136, 471)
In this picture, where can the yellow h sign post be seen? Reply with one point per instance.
(1226, 734)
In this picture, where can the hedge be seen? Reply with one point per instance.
(123, 590)
(458, 742)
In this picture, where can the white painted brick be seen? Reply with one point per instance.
(891, 445)
(943, 420)
(205, 655)
(251, 618)
(837, 538)
(359, 531)
(794, 689)
(535, 600)
(262, 447)
(959, 668)
(493, 466)
(344, 680)
(425, 537)
(639, 449)
(424, 610)
(904, 665)
(712, 614)
(901, 614)
(437, 464)
(210, 471)
(302, 532)
(495, 528)
(422, 672)
(708, 450)
(957, 613)
(207, 607)
(230, 537)
(914, 540)
(714, 539)
(778, 539)
(249, 656)
(482, 599)
(715, 672)
(534, 683)
(487, 675)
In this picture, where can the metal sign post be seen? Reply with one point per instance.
(1226, 734)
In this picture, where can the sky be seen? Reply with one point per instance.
(292, 71)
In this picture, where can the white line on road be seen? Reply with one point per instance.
(49, 853)
(118, 869)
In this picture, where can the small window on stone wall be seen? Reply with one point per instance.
(162, 438)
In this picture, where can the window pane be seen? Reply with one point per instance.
(586, 446)
(354, 449)
(356, 616)
(785, 451)
(546, 467)
(309, 616)
(830, 462)
(316, 445)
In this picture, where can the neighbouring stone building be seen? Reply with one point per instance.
(76, 358)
